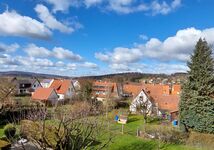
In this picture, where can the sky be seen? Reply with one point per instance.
(95, 37)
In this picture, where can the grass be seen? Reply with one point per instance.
(1, 131)
(129, 141)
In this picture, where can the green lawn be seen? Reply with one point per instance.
(129, 141)
(1, 131)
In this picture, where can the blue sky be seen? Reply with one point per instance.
(92, 37)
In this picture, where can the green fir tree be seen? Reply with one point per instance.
(197, 98)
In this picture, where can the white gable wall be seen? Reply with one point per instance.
(142, 98)
(53, 97)
(36, 85)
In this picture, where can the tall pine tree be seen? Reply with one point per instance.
(197, 98)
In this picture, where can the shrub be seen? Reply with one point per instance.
(4, 145)
(153, 119)
(203, 140)
(165, 134)
(9, 131)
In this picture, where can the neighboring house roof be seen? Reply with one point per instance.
(165, 98)
(105, 86)
(46, 80)
(162, 97)
(42, 93)
(61, 86)
(133, 89)
(176, 89)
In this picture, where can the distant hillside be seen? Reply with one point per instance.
(134, 76)
(119, 77)
(29, 74)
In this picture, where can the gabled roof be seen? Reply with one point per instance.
(42, 93)
(133, 89)
(46, 80)
(105, 86)
(159, 94)
(161, 97)
(61, 86)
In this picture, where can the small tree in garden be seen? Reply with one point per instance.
(85, 89)
(143, 108)
(197, 99)
(7, 89)
(9, 131)
(71, 130)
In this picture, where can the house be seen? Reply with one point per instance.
(27, 87)
(76, 85)
(46, 83)
(161, 99)
(46, 95)
(105, 89)
(63, 88)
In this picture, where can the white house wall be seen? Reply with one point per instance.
(53, 97)
(141, 99)
(35, 85)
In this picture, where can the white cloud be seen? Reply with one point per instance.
(13, 24)
(50, 21)
(71, 66)
(89, 65)
(121, 55)
(63, 5)
(102, 57)
(8, 48)
(90, 3)
(57, 52)
(119, 67)
(176, 48)
(34, 51)
(62, 53)
(119, 6)
(143, 37)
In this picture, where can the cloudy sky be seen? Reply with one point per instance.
(92, 37)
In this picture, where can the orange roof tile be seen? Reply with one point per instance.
(104, 86)
(42, 93)
(160, 95)
(133, 89)
(61, 86)
(176, 89)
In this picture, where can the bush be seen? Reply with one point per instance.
(9, 131)
(4, 145)
(165, 134)
(205, 141)
(153, 119)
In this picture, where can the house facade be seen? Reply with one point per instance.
(27, 87)
(104, 89)
(45, 95)
(64, 89)
(162, 100)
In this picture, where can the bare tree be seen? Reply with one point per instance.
(144, 107)
(68, 131)
(7, 89)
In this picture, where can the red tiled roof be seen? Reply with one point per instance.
(42, 93)
(176, 89)
(104, 86)
(133, 89)
(61, 86)
(161, 96)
